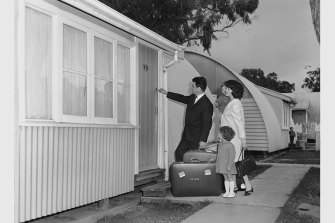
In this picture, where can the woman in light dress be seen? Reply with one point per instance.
(233, 116)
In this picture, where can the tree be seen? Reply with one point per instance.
(312, 82)
(193, 22)
(269, 81)
(315, 10)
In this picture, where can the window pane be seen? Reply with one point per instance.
(123, 94)
(74, 49)
(103, 58)
(103, 98)
(123, 64)
(75, 95)
(38, 65)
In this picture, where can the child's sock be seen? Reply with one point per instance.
(231, 189)
(226, 187)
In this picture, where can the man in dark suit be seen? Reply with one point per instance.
(198, 117)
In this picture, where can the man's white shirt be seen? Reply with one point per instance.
(198, 97)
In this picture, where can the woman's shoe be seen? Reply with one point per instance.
(248, 192)
(235, 189)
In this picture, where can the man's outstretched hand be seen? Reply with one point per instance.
(162, 90)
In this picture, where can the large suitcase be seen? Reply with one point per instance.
(195, 179)
(201, 155)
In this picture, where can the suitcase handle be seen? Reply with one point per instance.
(195, 160)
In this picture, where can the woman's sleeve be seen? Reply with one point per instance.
(238, 117)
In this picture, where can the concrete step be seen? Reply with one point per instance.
(149, 176)
(156, 190)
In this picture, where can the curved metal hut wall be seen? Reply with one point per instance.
(263, 128)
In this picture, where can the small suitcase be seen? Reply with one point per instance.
(208, 153)
(199, 155)
(212, 146)
(195, 179)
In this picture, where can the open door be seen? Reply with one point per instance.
(148, 117)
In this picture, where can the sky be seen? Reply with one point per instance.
(281, 39)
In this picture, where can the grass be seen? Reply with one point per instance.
(296, 157)
(156, 212)
(308, 191)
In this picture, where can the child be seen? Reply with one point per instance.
(225, 160)
(292, 135)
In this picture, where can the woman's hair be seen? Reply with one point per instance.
(236, 87)
(227, 133)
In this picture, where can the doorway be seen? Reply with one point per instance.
(148, 111)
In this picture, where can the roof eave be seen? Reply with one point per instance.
(276, 94)
(109, 15)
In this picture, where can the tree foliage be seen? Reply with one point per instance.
(312, 82)
(187, 21)
(269, 81)
(315, 10)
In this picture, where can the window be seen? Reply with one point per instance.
(75, 70)
(123, 85)
(286, 116)
(103, 80)
(38, 69)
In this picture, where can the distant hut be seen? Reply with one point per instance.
(267, 113)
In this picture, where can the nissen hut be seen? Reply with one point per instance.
(88, 123)
(267, 113)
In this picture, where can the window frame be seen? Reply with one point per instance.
(51, 11)
(73, 118)
(59, 18)
(286, 112)
(104, 120)
(131, 84)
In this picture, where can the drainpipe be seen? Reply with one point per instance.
(175, 59)
(166, 136)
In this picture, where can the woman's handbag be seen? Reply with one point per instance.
(246, 165)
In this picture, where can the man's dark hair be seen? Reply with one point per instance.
(227, 133)
(236, 87)
(200, 82)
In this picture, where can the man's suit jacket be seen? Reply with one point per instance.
(198, 117)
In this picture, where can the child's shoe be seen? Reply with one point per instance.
(225, 194)
(231, 195)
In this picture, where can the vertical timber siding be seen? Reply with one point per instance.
(257, 137)
(66, 167)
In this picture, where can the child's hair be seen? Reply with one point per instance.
(227, 133)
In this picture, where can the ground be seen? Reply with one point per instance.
(164, 212)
